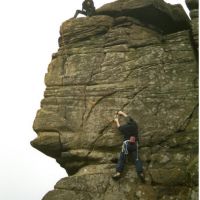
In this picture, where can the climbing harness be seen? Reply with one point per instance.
(132, 140)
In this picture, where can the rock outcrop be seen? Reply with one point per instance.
(139, 56)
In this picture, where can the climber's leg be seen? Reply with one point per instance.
(138, 166)
(120, 165)
(121, 162)
(79, 12)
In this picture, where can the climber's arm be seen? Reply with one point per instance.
(116, 117)
(116, 120)
(122, 113)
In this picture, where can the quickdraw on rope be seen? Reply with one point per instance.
(125, 147)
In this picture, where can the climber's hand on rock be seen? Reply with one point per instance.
(116, 120)
(122, 113)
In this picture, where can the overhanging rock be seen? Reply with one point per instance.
(165, 17)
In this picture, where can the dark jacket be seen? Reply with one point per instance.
(129, 129)
(88, 6)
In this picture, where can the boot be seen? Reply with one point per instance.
(142, 177)
(116, 176)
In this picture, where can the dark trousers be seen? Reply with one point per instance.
(79, 12)
(89, 12)
(132, 150)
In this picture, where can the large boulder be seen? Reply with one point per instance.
(113, 61)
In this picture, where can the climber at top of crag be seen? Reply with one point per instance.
(88, 8)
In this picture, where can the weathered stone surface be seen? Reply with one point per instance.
(162, 16)
(193, 5)
(49, 143)
(116, 62)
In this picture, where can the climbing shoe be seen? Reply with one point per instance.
(142, 177)
(116, 176)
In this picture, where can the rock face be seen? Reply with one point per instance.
(193, 5)
(135, 56)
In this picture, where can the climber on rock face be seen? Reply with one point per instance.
(130, 145)
(88, 8)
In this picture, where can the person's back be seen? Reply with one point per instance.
(129, 129)
(88, 6)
